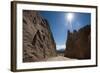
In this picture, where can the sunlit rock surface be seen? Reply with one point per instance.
(38, 42)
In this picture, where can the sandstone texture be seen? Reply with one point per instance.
(78, 44)
(38, 41)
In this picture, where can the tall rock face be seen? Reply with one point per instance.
(38, 42)
(78, 44)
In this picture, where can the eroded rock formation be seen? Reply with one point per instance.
(78, 44)
(38, 42)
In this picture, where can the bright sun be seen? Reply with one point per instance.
(70, 17)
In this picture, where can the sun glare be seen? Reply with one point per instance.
(70, 17)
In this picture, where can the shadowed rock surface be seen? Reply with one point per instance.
(78, 44)
(38, 42)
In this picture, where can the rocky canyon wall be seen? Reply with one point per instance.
(78, 44)
(38, 41)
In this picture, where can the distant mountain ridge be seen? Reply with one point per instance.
(61, 50)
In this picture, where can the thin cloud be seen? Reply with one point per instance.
(60, 47)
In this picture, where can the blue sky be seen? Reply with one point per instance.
(60, 24)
